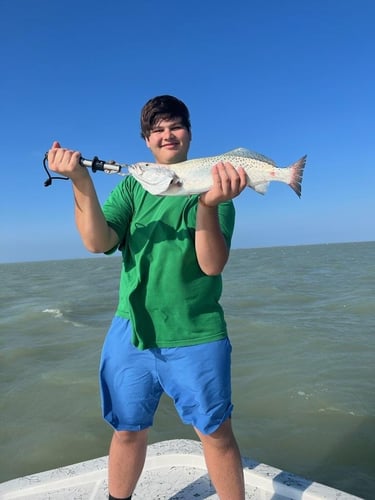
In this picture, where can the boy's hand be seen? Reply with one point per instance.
(65, 162)
(227, 184)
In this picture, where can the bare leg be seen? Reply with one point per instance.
(127, 455)
(223, 462)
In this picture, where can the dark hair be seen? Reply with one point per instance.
(163, 107)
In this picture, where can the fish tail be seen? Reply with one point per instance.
(296, 175)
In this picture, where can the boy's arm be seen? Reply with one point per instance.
(210, 245)
(95, 233)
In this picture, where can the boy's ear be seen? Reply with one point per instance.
(147, 142)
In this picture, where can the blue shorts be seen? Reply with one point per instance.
(132, 381)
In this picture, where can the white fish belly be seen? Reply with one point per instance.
(196, 176)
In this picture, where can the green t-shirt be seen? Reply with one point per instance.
(163, 291)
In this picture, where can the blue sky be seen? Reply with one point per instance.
(284, 78)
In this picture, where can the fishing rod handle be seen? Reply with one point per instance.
(96, 164)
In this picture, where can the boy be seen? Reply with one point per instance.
(169, 333)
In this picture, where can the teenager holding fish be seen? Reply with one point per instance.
(169, 333)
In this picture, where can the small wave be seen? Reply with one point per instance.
(332, 409)
(56, 313)
(304, 394)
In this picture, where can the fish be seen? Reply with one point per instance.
(194, 176)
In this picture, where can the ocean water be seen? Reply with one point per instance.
(302, 325)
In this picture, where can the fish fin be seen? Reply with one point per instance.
(247, 153)
(297, 174)
(154, 179)
(261, 188)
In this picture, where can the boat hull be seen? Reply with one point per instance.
(173, 470)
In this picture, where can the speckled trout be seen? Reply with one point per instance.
(195, 177)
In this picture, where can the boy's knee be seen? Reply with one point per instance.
(222, 437)
(130, 437)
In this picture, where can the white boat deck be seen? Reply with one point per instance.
(174, 470)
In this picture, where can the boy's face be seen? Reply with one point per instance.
(169, 141)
